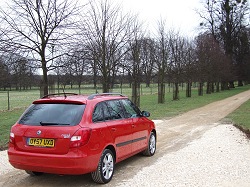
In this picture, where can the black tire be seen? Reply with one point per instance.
(104, 172)
(34, 173)
(150, 151)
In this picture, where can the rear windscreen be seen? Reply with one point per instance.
(53, 114)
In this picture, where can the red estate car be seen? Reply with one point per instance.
(75, 134)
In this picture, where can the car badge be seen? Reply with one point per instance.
(65, 135)
(39, 132)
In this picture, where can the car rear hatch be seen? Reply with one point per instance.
(48, 127)
(52, 140)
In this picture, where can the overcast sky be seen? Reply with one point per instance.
(179, 14)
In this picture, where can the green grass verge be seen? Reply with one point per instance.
(148, 102)
(7, 119)
(241, 117)
(172, 108)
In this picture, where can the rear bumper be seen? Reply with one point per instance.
(72, 163)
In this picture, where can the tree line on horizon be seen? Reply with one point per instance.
(99, 40)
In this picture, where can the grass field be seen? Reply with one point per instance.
(19, 101)
(241, 116)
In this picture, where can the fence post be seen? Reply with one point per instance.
(8, 94)
(121, 87)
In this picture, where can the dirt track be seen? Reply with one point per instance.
(173, 135)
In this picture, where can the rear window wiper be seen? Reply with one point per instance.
(49, 123)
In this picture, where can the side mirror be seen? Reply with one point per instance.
(145, 114)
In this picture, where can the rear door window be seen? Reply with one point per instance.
(53, 114)
(115, 109)
(131, 111)
(101, 113)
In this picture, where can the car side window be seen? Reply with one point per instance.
(101, 113)
(106, 113)
(131, 111)
(98, 113)
(115, 109)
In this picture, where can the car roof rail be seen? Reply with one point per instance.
(58, 94)
(104, 94)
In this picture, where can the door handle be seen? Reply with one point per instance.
(113, 129)
(133, 126)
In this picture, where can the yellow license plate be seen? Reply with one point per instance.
(41, 142)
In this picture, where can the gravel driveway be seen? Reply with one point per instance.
(193, 149)
(221, 157)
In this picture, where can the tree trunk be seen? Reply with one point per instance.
(224, 86)
(231, 84)
(161, 93)
(58, 83)
(148, 79)
(45, 85)
(105, 83)
(105, 88)
(136, 93)
(161, 86)
(212, 87)
(200, 89)
(209, 88)
(176, 91)
(240, 83)
(217, 87)
(79, 87)
(188, 90)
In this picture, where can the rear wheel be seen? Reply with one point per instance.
(34, 173)
(105, 169)
(150, 151)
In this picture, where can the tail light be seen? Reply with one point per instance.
(80, 138)
(12, 138)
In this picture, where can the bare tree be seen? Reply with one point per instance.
(189, 66)
(226, 20)
(242, 54)
(134, 66)
(16, 71)
(79, 64)
(177, 61)
(212, 63)
(4, 75)
(37, 29)
(162, 59)
(106, 31)
(20, 72)
(148, 52)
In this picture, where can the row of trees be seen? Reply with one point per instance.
(228, 23)
(15, 72)
(98, 39)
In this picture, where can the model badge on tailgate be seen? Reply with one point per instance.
(65, 135)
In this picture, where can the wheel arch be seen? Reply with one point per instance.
(112, 148)
(154, 131)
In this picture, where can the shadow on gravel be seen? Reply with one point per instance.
(246, 131)
(3, 148)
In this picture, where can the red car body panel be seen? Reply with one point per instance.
(126, 137)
